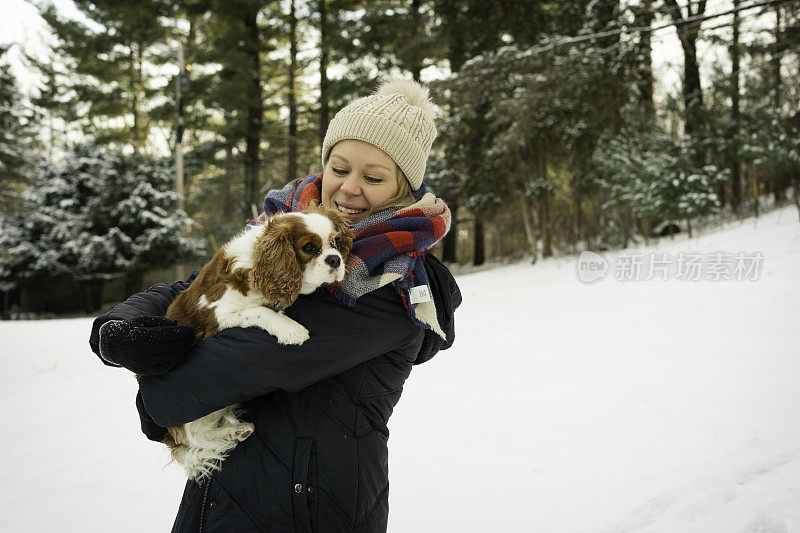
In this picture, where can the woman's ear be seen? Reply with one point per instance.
(276, 272)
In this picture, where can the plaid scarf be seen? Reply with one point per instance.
(389, 246)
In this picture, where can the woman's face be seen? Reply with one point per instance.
(358, 177)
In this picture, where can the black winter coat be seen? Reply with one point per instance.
(318, 460)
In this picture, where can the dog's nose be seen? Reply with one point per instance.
(333, 260)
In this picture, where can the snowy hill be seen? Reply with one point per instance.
(563, 406)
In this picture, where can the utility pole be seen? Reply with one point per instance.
(181, 86)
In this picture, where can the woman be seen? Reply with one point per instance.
(318, 459)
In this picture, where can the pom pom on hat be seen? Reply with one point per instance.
(417, 95)
(398, 118)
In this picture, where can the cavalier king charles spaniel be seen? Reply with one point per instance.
(249, 282)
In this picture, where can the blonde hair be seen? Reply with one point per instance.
(403, 198)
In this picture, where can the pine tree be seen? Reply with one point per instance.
(52, 104)
(94, 216)
(392, 35)
(111, 60)
(16, 134)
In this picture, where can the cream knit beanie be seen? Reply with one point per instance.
(398, 119)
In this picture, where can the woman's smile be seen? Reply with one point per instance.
(348, 210)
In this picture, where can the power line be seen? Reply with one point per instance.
(730, 23)
(643, 29)
(683, 22)
(511, 57)
(771, 57)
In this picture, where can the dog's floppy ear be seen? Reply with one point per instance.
(276, 272)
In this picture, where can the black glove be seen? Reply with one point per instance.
(146, 345)
(151, 430)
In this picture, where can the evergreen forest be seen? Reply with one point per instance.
(557, 134)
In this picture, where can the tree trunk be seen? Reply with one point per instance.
(692, 94)
(479, 248)
(544, 224)
(228, 206)
(796, 187)
(544, 201)
(779, 47)
(449, 243)
(692, 91)
(416, 29)
(324, 110)
(644, 228)
(135, 88)
(644, 19)
(600, 218)
(625, 221)
(255, 111)
(580, 219)
(456, 57)
(783, 179)
(736, 164)
(530, 229)
(291, 167)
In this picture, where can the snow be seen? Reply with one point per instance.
(652, 406)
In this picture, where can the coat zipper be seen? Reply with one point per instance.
(203, 505)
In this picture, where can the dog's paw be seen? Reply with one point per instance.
(291, 333)
(241, 431)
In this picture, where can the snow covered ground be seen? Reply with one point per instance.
(663, 406)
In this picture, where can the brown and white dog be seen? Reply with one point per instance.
(249, 282)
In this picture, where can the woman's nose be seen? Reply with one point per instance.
(350, 186)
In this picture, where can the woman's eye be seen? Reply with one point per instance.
(309, 248)
(368, 179)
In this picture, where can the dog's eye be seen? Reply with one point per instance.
(309, 248)
(335, 243)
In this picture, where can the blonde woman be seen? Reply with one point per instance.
(318, 460)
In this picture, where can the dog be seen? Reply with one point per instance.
(249, 282)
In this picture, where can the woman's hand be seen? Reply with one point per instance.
(146, 345)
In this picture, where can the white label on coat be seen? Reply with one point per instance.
(420, 294)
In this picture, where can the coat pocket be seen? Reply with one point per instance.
(222, 512)
(304, 479)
